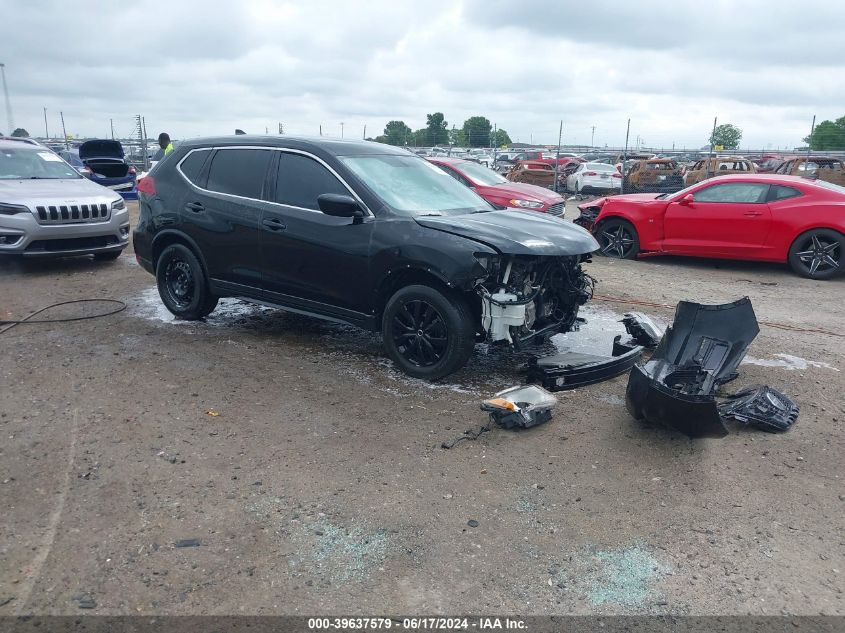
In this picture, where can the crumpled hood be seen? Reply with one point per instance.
(31, 193)
(101, 148)
(517, 232)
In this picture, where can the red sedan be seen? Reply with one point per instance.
(753, 217)
(499, 191)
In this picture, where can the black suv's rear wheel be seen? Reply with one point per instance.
(182, 284)
(427, 333)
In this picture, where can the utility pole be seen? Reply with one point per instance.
(64, 131)
(810, 143)
(341, 129)
(365, 132)
(710, 165)
(321, 129)
(8, 103)
(557, 160)
(46, 131)
(625, 154)
(593, 137)
(111, 124)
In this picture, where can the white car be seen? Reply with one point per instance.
(594, 177)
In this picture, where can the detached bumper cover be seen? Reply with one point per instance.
(571, 370)
(700, 351)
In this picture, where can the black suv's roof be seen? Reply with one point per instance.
(337, 147)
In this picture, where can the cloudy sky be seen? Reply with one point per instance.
(194, 67)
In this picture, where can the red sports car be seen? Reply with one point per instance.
(499, 191)
(757, 216)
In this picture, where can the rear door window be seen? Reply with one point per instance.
(192, 164)
(239, 172)
(781, 192)
(300, 180)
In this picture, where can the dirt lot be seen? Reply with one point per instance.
(316, 484)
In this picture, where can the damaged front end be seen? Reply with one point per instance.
(526, 299)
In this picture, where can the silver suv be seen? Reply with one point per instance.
(47, 208)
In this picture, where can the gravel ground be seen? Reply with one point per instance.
(262, 462)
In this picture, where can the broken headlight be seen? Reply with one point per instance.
(526, 204)
(487, 260)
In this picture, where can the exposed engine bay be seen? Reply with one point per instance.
(528, 297)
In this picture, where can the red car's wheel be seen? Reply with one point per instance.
(818, 254)
(618, 238)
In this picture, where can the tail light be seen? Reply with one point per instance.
(133, 171)
(86, 171)
(147, 185)
(590, 173)
(616, 174)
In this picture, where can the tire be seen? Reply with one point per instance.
(618, 239)
(818, 254)
(182, 284)
(427, 333)
(107, 257)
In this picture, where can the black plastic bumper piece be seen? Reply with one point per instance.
(699, 351)
(570, 370)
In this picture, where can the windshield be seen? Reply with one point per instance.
(18, 163)
(481, 175)
(831, 186)
(411, 185)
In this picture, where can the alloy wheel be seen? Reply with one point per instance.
(420, 333)
(617, 241)
(819, 254)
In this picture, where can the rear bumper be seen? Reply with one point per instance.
(126, 187)
(25, 236)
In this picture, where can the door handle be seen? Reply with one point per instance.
(273, 224)
(195, 207)
(753, 214)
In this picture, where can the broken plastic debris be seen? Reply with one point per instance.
(573, 369)
(212, 413)
(520, 407)
(699, 352)
(642, 329)
(763, 407)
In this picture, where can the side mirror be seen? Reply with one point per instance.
(339, 206)
(687, 200)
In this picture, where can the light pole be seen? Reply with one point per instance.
(8, 103)
(341, 129)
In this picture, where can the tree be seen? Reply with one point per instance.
(436, 126)
(397, 133)
(477, 131)
(828, 135)
(726, 135)
(20, 132)
(500, 137)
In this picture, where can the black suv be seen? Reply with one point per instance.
(362, 233)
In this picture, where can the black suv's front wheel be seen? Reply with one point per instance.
(182, 284)
(427, 333)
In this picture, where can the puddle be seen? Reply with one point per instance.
(787, 361)
(360, 354)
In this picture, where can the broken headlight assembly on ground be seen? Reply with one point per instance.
(520, 407)
(699, 352)
(528, 299)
